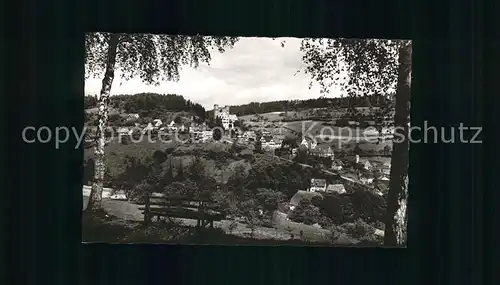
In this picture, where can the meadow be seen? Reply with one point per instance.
(291, 115)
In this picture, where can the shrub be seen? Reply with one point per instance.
(370, 240)
(125, 140)
(168, 231)
(306, 213)
(334, 234)
(368, 206)
(359, 229)
(206, 235)
(232, 226)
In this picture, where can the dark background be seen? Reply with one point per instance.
(45, 68)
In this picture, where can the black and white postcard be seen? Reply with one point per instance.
(246, 140)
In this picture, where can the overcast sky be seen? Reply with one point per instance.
(256, 69)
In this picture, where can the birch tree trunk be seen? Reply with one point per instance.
(396, 217)
(95, 198)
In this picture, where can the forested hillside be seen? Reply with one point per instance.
(153, 105)
(150, 105)
(295, 105)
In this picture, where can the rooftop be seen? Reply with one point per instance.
(318, 182)
(339, 188)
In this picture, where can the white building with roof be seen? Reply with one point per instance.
(310, 144)
(226, 118)
(318, 185)
(338, 188)
(157, 123)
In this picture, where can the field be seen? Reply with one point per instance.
(116, 153)
(272, 116)
(111, 111)
(380, 159)
(318, 128)
(290, 115)
(364, 145)
(115, 147)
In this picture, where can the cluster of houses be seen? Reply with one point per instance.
(373, 174)
(320, 185)
(320, 150)
(199, 133)
(156, 125)
(371, 171)
(133, 116)
(248, 136)
(271, 142)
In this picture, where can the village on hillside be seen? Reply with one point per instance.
(339, 171)
(311, 171)
(270, 138)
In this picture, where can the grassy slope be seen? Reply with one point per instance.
(275, 116)
(115, 155)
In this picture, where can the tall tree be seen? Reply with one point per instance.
(369, 67)
(269, 200)
(180, 173)
(152, 58)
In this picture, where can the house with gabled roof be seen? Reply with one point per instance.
(313, 144)
(323, 150)
(383, 180)
(304, 142)
(361, 162)
(337, 188)
(386, 168)
(310, 144)
(337, 166)
(317, 185)
(381, 187)
(366, 164)
(294, 151)
(249, 136)
(206, 136)
(268, 142)
(157, 123)
(130, 117)
(148, 128)
(172, 126)
(181, 128)
(124, 131)
(366, 180)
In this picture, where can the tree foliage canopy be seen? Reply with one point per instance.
(153, 58)
(359, 67)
